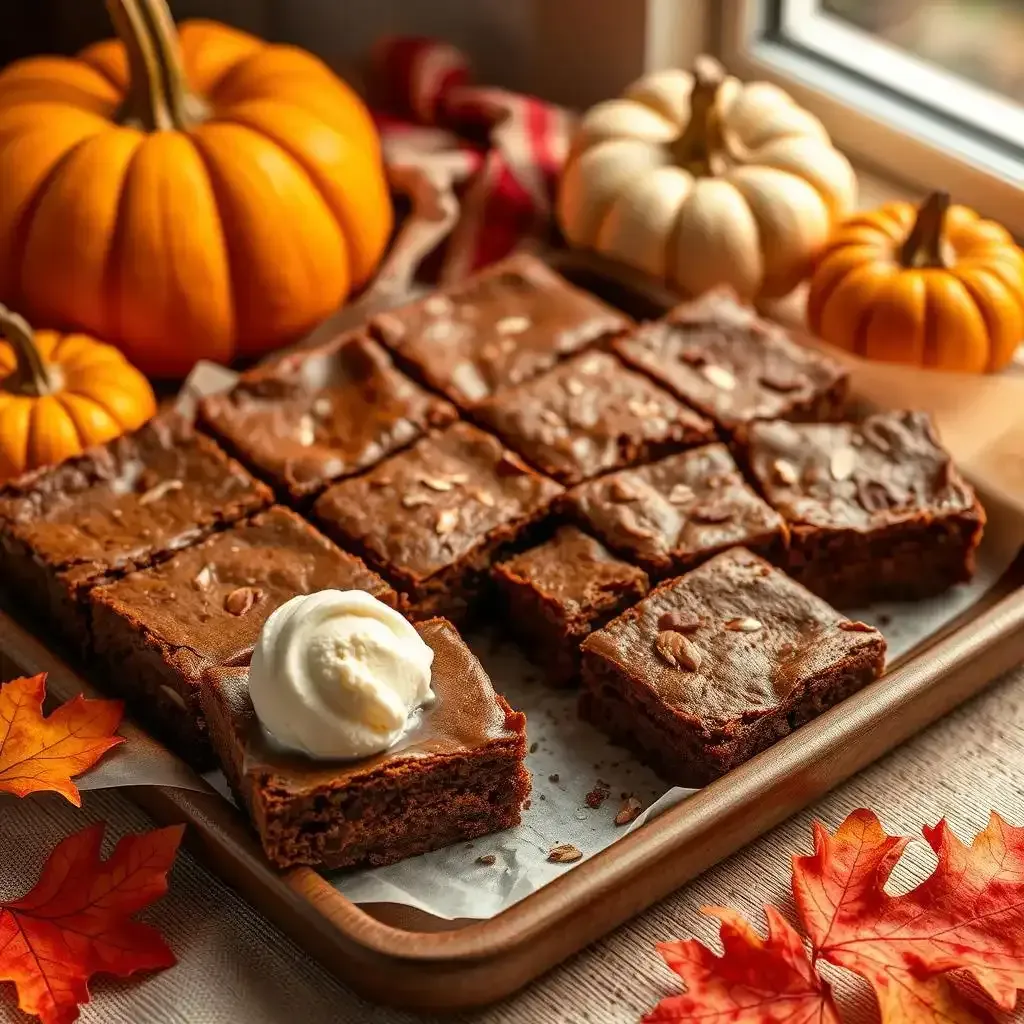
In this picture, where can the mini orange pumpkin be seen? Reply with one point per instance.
(60, 394)
(936, 286)
(197, 201)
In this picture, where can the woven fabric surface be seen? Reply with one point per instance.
(235, 967)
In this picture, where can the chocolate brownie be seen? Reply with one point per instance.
(500, 327)
(432, 519)
(114, 509)
(876, 510)
(731, 365)
(556, 593)
(457, 774)
(155, 632)
(671, 515)
(314, 417)
(717, 665)
(589, 415)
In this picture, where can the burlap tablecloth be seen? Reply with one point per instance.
(235, 968)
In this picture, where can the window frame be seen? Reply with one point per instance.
(877, 127)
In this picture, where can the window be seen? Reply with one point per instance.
(930, 92)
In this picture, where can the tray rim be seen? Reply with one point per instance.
(477, 963)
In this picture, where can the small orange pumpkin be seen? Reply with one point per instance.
(936, 287)
(60, 394)
(203, 200)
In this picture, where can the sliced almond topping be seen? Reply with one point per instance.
(856, 626)
(677, 650)
(710, 512)
(574, 387)
(842, 463)
(681, 494)
(551, 417)
(306, 432)
(681, 622)
(436, 483)
(438, 305)
(747, 624)
(629, 811)
(322, 407)
(484, 497)
(203, 578)
(447, 520)
(416, 500)
(621, 490)
(509, 465)
(240, 601)
(565, 853)
(512, 325)
(719, 376)
(160, 490)
(458, 478)
(785, 471)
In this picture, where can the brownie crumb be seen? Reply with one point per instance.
(629, 811)
(597, 795)
(553, 777)
(565, 853)
(486, 859)
(527, 804)
(534, 747)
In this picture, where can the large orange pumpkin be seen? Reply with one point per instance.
(936, 286)
(61, 394)
(209, 199)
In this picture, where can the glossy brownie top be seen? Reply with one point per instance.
(115, 507)
(314, 417)
(466, 716)
(730, 641)
(207, 605)
(588, 415)
(574, 571)
(865, 476)
(502, 326)
(727, 362)
(428, 507)
(686, 504)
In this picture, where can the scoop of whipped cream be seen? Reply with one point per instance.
(336, 674)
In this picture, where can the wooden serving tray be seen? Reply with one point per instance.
(403, 957)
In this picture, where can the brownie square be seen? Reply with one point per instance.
(876, 510)
(556, 593)
(156, 631)
(432, 519)
(314, 417)
(717, 665)
(114, 509)
(671, 515)
(731, 365)
(459, 772)
(589, 415)
(500, 327)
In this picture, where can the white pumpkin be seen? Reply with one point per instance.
(701, 180)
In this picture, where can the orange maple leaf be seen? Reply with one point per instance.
(37, 753)
(968, 914)
(76, 921)
(755, 980)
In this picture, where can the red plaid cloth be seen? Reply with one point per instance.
(504, 151)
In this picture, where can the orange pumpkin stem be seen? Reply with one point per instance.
(923, 247)
(701, 148)
(32, 376)
(159, 98)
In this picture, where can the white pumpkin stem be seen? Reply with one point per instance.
(701, 148)
(32, 376)
(159, 98)
(923, 247)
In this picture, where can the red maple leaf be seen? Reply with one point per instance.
(77, 920)
(968, 914)
(754, 980)
(38, 753)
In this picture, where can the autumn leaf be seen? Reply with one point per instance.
(39, 754)
(755, 980)
(76, 922)
(968, 914)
